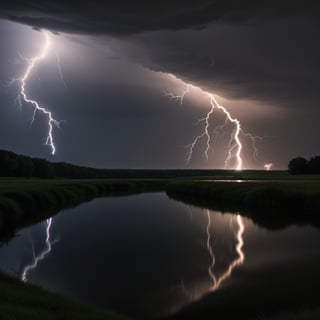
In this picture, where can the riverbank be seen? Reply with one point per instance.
(269, 204)
(303, 315)
(265, 199)
(24, 202)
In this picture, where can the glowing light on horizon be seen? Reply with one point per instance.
(37, 258)
(32, 62)
(268, 166)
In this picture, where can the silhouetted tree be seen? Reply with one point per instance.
(298, 165)
(314, 164)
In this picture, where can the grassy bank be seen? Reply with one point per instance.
(23, 202)
(303, 315)
(29, 302)
(270, 204)
(275, 199)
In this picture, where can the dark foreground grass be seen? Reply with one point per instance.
(270, 204)
(29, 302)
(302, 315)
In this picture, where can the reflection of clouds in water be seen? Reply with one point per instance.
(42, 254)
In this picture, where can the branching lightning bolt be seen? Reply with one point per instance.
(32, 62)
(236, 262)
(181, 96)
(235, 146)
(235, 143)
(204, 134)
(37, 258)
(60, 70)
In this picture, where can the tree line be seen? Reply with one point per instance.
(15, 165)
(301, 165)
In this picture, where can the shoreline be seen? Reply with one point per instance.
(269, 204)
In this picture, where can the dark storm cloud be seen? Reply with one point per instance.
(119, 18)
(276, 62)
(258, 50)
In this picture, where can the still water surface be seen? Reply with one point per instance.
(149, 256)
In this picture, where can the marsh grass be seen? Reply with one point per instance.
(29, 302)
(270, 204)
(270, 201)
(24, 202)
(302, 315)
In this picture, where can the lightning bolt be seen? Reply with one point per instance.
(235, 143)
(23, 96)
(235, 146)
(60, 70)
(37, 258)
(236, 262)
(205, 133)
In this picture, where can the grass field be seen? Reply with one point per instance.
(302, 315)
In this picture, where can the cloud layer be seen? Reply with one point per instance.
(121, 18)
(247, 49)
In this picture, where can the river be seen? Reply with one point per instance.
(149, 256)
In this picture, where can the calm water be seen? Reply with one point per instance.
(148, 256)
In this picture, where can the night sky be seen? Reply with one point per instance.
(119, 59)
